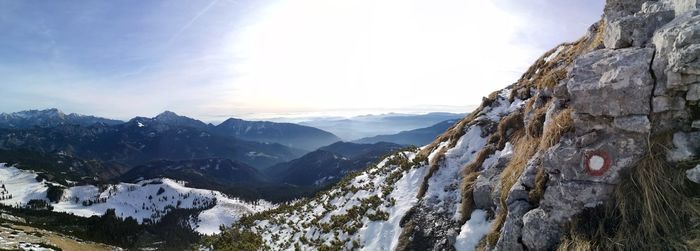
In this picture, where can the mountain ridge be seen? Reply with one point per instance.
(417, 137)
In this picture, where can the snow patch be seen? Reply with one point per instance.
(147, 200)
(472, 231)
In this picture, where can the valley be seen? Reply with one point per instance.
(148, 173)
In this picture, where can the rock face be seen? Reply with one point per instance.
(612, 82)
(546, 149)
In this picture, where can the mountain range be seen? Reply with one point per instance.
(291, 135)
(236, 156)
(354, 128)
(416, 137)
(49, 118)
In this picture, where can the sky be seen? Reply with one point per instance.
(256, 59)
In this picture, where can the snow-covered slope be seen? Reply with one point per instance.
(18, 187)
(369, 210)
(145, 201)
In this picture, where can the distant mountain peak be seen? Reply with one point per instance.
(167, 114)
(171, 118)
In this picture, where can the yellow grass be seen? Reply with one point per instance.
(543, 74)
(434, 166)
(556, 127)
(469, 175)
(525, 146)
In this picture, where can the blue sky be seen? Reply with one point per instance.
(271, 58)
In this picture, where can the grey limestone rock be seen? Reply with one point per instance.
(612, 82)
(635, 123)
(538, 232)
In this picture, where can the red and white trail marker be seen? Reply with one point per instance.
(596, 162)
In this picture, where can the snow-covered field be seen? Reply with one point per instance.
(147, 200)
(19, 186)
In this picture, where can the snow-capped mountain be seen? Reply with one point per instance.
(49, 118)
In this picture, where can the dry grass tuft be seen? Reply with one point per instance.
(597, 39)
(547, 73)
(529, 105)
(467, 204)
(469, 174)
(452, 134)
(507, 128)
(524, 148)
(495, 232)
(557, 126)
(536, 123)
(575, 244)
(654, 207)
(481, 246)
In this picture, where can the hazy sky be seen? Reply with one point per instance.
(270, 58)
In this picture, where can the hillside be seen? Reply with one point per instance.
(144, 201)
(288, 134)
(417, 137)
(329, 164)
(596, 147)
(213, 174)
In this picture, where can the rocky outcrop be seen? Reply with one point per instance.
(642, 83)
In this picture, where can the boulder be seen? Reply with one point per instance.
(686, 145)
(615, 9)
(693, 174)
(510, 236)
(677, 48)
(538, 232)
(634, 123)
(635, 30)
(612, 82)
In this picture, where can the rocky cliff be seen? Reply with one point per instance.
(597, 146)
